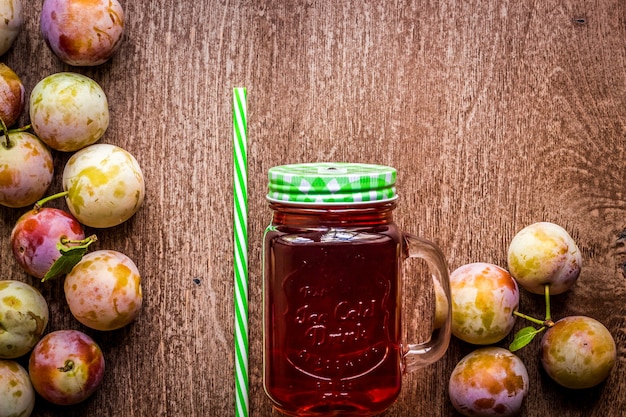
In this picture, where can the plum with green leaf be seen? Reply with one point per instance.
(40, 234)
(544, 259)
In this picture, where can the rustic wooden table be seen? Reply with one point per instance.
(496, 115)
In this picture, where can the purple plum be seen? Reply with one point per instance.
(82, 32)
(35, 236)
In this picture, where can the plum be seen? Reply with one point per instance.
(489, 381)
(541, 254)
(11, 22)
(12, 96)
(66, 367)
(103, 290)
(26, 169)
(82, 32)
(104, 185)
(578, 352)
(441, 305)
(68, 111)
(484, 298)
(17, 396)
(37, 233)
(23, 318)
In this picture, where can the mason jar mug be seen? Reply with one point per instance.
(332, 279)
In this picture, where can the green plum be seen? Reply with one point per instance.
(23, 318)
(104, 185)
(68, 111)
(26, 169)
(11, 23)
(543, 254)
(17, 396)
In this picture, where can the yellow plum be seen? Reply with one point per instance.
(490, 381)
(103, 290)
(484, 297)
(541, 254)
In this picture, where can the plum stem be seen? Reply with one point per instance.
(82, 243)
(39, 204)
(547, 322)
(547, 296)
(529, 318)
(68, 366)
(21, 129)
(79, 242)
(5, 132)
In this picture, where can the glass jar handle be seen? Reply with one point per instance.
(415, 356)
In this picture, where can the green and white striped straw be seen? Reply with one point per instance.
(240, 133)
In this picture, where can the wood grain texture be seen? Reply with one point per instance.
(496, 115)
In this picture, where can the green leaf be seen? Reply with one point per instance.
(70, 256)
(524, 337)
(64, 264)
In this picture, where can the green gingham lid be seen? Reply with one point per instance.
(331, 183)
